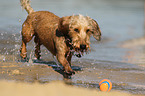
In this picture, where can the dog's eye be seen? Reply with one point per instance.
(77, 30)
(87, 30)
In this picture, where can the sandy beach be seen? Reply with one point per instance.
(55, 88)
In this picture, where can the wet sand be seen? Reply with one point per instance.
(87, 76)
(55, 88)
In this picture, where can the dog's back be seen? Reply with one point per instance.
(42, 25)
(45, 25)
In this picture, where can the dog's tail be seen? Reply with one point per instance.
(26, 5)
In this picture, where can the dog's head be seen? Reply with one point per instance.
(78, 29)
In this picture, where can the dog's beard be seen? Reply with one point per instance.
(77, 51)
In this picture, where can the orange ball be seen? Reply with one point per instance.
(105, 85)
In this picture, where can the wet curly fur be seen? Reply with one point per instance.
(61, 36)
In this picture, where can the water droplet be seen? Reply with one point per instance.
(19, 20)
(4, 59)
(30, 61)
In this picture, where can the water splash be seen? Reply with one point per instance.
(58, 64)
(30, 62)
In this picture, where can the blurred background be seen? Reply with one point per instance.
(122, 46)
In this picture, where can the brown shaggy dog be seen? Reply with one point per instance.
(63, 37)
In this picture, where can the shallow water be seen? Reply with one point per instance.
(120, 20)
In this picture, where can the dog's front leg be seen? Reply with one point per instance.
(62, 60)
(61, 52)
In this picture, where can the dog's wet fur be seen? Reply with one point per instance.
(63, 37)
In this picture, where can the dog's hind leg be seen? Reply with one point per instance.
(37, 48)
(27, 35)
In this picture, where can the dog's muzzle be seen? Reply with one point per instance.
(76, 51)
(82, 46)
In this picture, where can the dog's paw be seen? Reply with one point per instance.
(23, 59)
(70, 72)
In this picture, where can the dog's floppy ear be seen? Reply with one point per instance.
(63, 25)
(95, 29)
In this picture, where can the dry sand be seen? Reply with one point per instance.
(55, 88)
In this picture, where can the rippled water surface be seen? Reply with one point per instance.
(120, 21)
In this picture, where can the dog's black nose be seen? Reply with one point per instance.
(83, 46)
